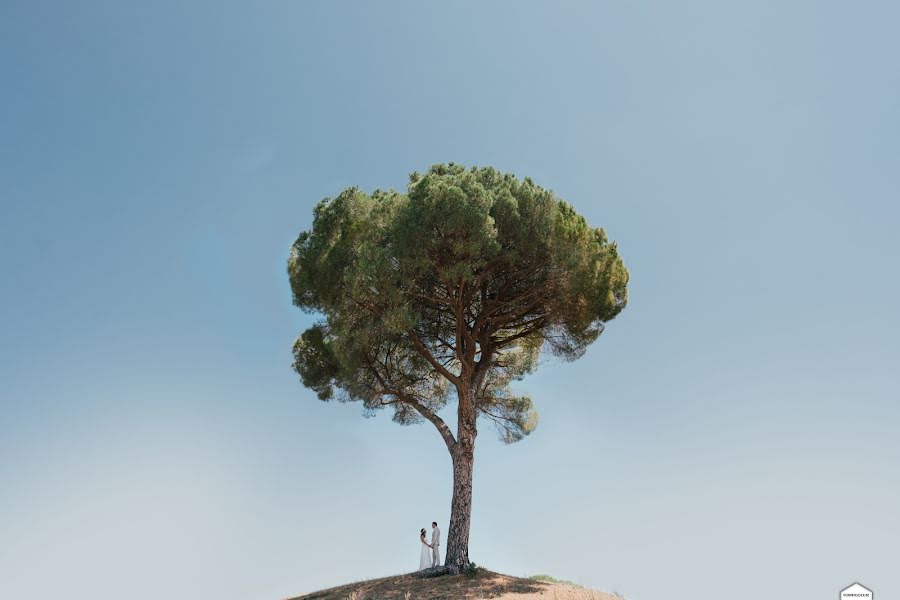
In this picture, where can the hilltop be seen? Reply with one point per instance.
(467, 586)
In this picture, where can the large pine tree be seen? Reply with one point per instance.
(449, 292)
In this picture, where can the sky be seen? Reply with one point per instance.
(734, 430)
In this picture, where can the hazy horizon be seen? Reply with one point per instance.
(734, 430)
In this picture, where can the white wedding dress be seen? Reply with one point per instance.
(425, 558)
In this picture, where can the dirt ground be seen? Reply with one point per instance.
(486, 584)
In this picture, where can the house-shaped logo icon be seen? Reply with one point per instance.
(856, 592)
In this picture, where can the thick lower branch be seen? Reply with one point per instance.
(423, 410)
(422, 350)
(432, 416)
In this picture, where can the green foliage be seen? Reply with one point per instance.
(453, 288)
(550, 579)
(472, 570)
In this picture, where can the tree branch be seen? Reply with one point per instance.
(536, 326)
(432, 416)
(421, 349)
(423, 410)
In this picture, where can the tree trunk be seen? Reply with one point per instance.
(461, 507)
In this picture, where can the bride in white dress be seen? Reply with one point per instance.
(425, 558)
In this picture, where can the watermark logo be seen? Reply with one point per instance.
(856, 591)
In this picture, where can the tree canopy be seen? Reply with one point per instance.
(449, 291)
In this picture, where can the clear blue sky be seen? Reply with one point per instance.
(735, 429)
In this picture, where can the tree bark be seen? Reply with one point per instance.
(461, 508)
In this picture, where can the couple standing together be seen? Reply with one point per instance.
(431, 553)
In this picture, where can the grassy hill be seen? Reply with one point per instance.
(468, 586)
